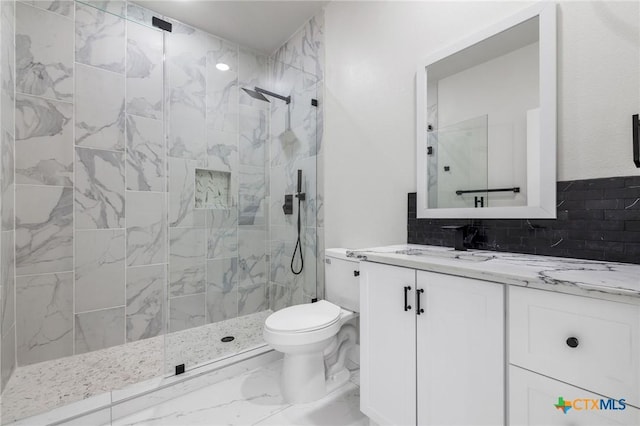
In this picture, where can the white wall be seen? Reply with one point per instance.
(372, 51)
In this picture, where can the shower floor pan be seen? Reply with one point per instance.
(38, 388)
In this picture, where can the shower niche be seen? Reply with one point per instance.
(212, 189)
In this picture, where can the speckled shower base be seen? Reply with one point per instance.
(41, 387)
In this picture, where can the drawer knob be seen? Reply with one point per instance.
(573, 342)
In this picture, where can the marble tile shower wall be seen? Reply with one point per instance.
(7, 187)
(106, 229)
(217, 257)
(296, 143)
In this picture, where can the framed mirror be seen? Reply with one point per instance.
(486, 122)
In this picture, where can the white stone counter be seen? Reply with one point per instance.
(604, 280)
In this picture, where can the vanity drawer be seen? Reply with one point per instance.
(589, 343)
(533, 399)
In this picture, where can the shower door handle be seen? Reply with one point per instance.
(406, 292)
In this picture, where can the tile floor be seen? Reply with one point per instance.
(41, 387)
(253, 398)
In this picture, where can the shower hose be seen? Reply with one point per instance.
(298, 245)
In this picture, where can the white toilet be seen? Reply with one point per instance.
(314, 337)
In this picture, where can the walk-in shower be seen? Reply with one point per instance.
(148, 228)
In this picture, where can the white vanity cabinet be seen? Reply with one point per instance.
(434, 356)
(572, 347)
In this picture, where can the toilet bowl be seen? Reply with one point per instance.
(315, 337)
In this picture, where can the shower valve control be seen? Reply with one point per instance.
(287, 207)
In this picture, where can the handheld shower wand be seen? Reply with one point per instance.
(301, 197)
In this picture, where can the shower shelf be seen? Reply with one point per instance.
(212, 189)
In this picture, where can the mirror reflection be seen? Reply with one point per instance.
(482, 114)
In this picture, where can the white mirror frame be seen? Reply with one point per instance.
(541, 158)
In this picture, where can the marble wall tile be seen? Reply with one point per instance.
(186, 312)
(44, 317)
(222, 151)
(44, 141)
(7, 187)
(7, 285)
(44, 229)
(186, 53)
(294, 128)
(99, 108)
(140, 14)
(144, 71)
(100, 38)
(253, 71)
(146, 228)
(99, 329)
(100, 269)
(7, 356)
(252, 299)
(145, 301)
(305, 50)
(284, 180)
(307, 280)
(99, 191)
(62, 7)
(222, 289)
(320, 263)
(7, 65)
(254, 132)
(145, 155)
(114, 7)
(182, 194)
(320, 190)
(279, 296)
(222, 87)
(186, 261)
(44, 53)
(251, 196)
(252, 256)
(280, 262)
(222, 233)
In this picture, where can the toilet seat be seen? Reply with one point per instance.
(304, 318)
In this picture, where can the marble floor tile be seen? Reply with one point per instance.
(254, 398)
(341, 407)
(241, 400)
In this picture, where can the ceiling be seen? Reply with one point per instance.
(262, 25)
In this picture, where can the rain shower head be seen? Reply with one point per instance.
(259, 93)
(255, 95)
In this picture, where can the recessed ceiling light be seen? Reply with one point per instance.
(222, 66)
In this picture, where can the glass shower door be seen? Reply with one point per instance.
(458, 164)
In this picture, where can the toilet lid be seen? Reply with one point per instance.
(301, 318)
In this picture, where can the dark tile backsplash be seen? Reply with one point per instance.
(597, 219)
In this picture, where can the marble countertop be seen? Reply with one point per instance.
(604, 280)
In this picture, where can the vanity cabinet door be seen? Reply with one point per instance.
(387, 344)
(460, 351)
(533, 399)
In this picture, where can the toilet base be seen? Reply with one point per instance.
(303, 377)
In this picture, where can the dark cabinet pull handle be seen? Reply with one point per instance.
(406, 290)
(418, 309)
(573, 342)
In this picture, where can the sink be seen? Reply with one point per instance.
(447, 253)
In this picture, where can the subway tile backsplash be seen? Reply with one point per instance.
(597, 219)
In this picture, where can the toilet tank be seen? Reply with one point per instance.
(341, 279)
